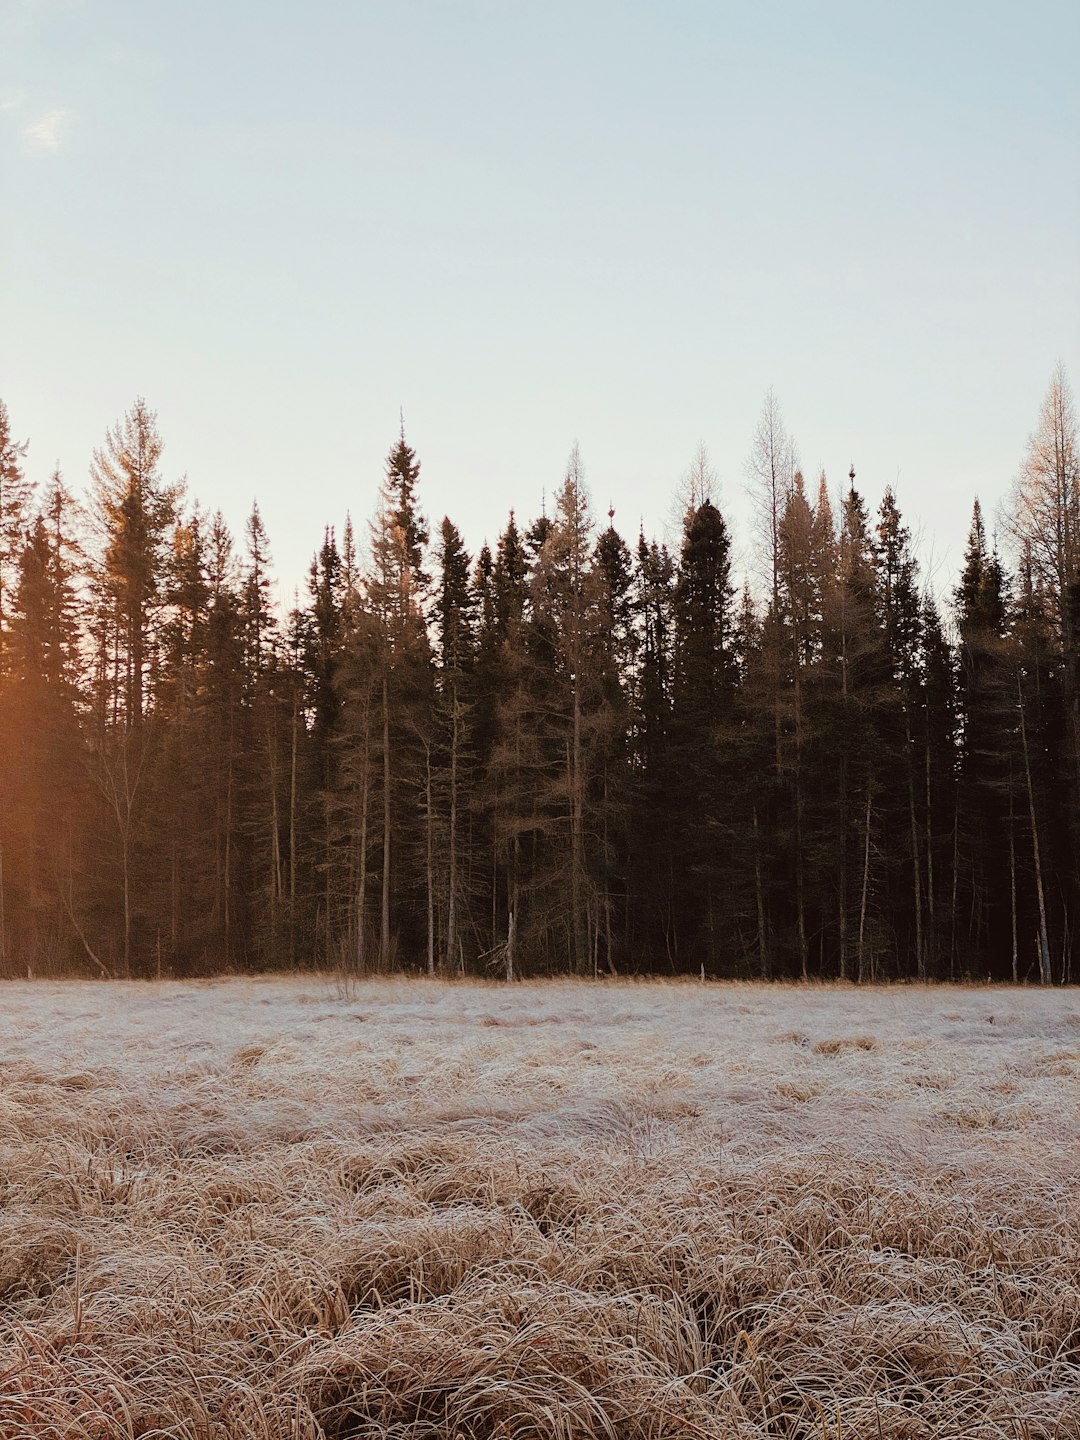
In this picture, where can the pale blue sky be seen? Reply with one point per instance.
(618, 223)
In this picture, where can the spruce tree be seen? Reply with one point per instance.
(15, 497)
(42, 789)
(987, 712)
(135, 510)
(654, 822)
(456, 658)
(564, 596)
(703, 689)
(396, 596)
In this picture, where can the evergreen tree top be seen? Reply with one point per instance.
(980, 597)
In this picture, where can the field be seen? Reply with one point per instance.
(271, 1209)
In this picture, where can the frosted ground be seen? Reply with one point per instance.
(272, 1209)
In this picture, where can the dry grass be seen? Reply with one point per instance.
(267, 1210)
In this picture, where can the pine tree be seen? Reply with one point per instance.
(455, 659)
(563, 757)
(266, 689)
(703, 692)
(135, 510)
(1035, 792)
(15, 498)
(41, 782)
(181, 895)
(327, 642)
(794, 624)
(866, 771)
(1045, 528)
(399, 492)
(902, 730)
(653, 823)
(1045, 518)
(224, 721)
(770, 470)
(507, 817)
(987, 712)
(396, 593)
(564, 596)
(615, 657)
(260, 622)
(751, 791)
(44, 633)
(939, 673)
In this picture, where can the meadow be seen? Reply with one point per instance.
(284, 1209)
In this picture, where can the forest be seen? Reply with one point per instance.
(575, 752)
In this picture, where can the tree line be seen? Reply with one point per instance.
(568, 753)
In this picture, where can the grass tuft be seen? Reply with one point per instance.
(629, 1212)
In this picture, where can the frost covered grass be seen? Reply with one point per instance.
(268, 1209)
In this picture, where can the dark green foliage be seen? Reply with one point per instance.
(565, 755)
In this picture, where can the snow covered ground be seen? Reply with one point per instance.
(276, 1208)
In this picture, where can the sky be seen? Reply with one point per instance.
(525, 225)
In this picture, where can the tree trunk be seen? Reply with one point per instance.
(1012, 886)
(274, 887)
(228, 849)
(292, 798)
(328, 881)
(1045, 970)
(609, 943)
(495, 892)
(606, 871)
(842, 836)
(126, 860)
(451, 907)
(955, 884)
(759, 896)
(66, 898)
(865, 886)
(137, 662)
(931, 939)
(116, 669)
(174, 898)
(916, 867)
(842, 903)
(429, 846)
(577, 857)
(511, 943)
(3, 919)
(800, 897)
(361, 892)
(384, 930)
